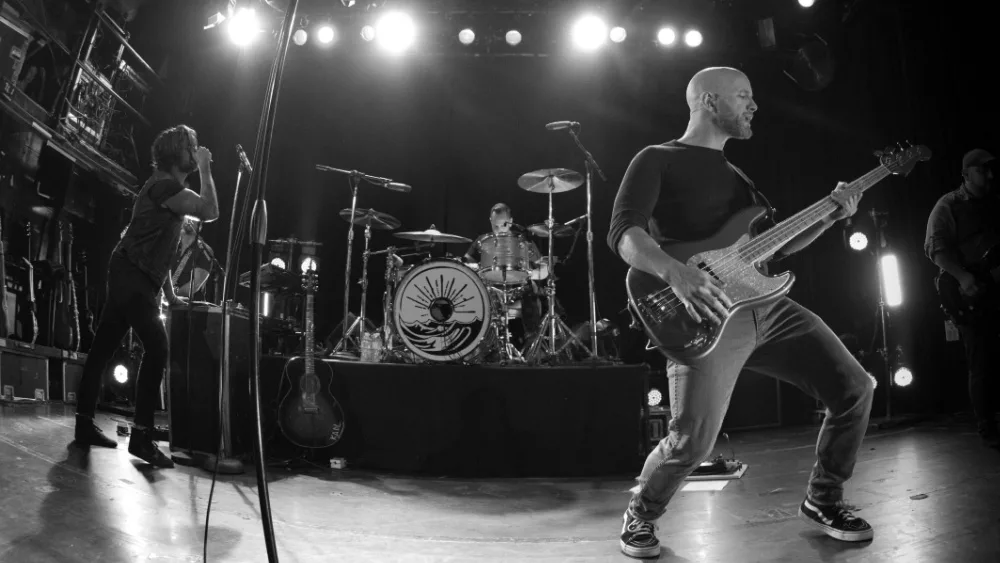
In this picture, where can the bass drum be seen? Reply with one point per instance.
(442, 311)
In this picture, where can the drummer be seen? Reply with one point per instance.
(503, 223)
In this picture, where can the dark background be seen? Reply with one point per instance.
(461, 129)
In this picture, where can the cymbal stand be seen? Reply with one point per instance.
(545, 344)
(508, 352)
(346, 340)
(591, 166)
(359, 322)
(390, 270)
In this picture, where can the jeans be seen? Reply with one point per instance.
(782, 340)
(131, 303)
(982, 354)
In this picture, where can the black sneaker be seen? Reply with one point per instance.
(141, 445)
(638, 537)
(87, 433)
(836, 522)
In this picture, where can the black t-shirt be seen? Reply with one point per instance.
(678, 192)
(152, 236)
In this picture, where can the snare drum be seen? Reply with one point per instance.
(505, 258)
(442, 312)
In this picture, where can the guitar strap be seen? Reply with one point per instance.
(756, 195)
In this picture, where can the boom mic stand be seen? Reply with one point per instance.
(258, 183)
(591, 167)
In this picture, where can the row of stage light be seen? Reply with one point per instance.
(397, 31)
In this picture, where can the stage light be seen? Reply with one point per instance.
(902, 377)
(874, 381)
(858, 241)
(325, 34)
(589, 33)
(513, 37)
(466, 36)
(806, 3)
(244, 27)
(368, 33)
(666, 36)
(618, 34)
(654, 398)
(693, 38)
(347, 3)
(279, 263)
(121, 373)
(395, 32)
(308, 264)
(890, 280)
(300, 37)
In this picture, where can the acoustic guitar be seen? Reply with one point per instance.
(964, 309)
(309, 415)
(733, 257)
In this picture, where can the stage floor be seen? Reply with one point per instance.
(930, 491)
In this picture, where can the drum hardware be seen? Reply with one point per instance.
(591, 167)
(508, 352)
(354, 179)
(370, 218)
(555, 180)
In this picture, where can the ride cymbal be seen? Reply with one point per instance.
(432, 235)
(377, 219)
(550, 180)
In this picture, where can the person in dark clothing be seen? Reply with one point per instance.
(139, 267)
(962, 227)
(193, 262)
(685, 190)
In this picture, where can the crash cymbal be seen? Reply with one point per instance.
(552, 180)
(542, 230)
(377, 219)
(432, 235)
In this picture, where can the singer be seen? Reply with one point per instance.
(139, 267)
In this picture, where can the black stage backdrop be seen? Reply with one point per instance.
(461, 130)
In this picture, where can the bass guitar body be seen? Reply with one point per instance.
(309, 415)
(664, 318)
(963, 309)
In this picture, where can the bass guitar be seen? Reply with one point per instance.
(309, 415)
(733, 257)
(964, 309)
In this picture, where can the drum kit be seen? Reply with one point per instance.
(447, 310)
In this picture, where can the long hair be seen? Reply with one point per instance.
(170, 146)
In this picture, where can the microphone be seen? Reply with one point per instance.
(243, 158)
(577, 220)
(560, 125)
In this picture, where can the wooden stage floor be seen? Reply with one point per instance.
(929, 490)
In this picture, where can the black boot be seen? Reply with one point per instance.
(88, 434)
(141, 445)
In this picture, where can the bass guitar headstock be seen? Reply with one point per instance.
(900, 160)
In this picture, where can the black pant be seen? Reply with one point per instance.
(982, 354)
(131, 303)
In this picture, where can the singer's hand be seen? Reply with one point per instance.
(203, 157)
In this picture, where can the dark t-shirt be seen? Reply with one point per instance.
(678, 192)
(964, 225)
(152, 236)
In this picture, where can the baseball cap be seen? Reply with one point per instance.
(975, 157)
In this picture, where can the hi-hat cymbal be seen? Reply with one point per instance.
(377, 219)
(542, 230)
(552, 180)
(432, 235)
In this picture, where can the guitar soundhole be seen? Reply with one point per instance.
(310, 384)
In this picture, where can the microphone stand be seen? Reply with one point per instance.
(258, 182)
(591, 167)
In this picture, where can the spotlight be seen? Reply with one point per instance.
(858, 241)
(325, 34)
(300, 37)
(874, 381)
(244, 27)
(693, 38)
(279, 263)
(589, 33)
(654, 398)
(466, 36)
(806, 3)
(666, 36)
(347, 3)
(903, 376)
(890, 280)
(618, 34)
(368, 33)
(513, 37)
(395, 32)
(308, 264)
(121, 373)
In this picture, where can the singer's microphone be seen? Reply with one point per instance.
(560, 125)
(243, 157)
